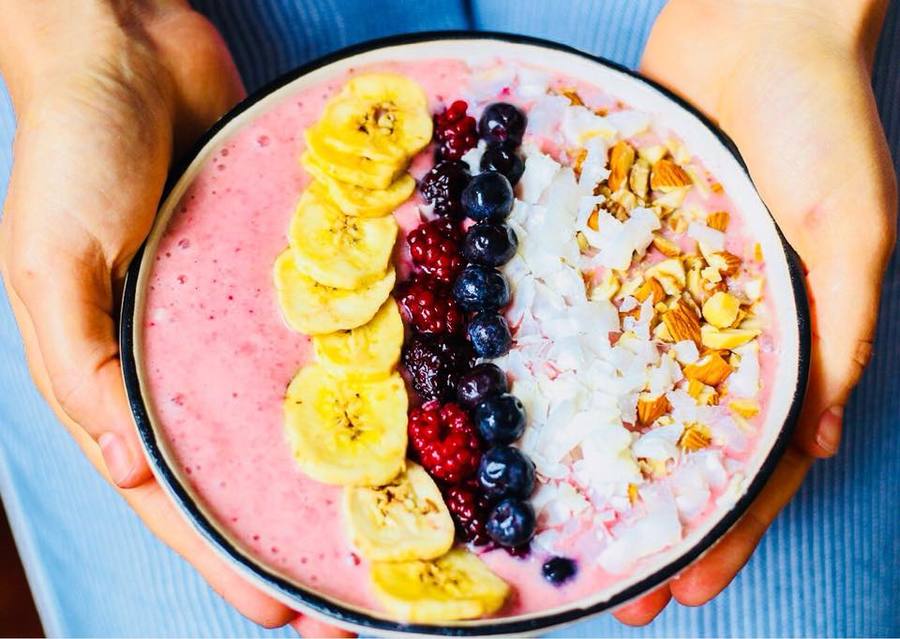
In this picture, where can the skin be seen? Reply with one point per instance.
(141, 78)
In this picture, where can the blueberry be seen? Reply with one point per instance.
(489, 335)
(480, 288)
(506, 472)
(502, 158)
(480, 383)
(500, 419)
(502, 122)
(490, 244)
(488, 197)
(559, 570)
(511, 522)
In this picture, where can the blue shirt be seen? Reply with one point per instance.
(830, 565)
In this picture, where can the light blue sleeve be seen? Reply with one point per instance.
(828, 567)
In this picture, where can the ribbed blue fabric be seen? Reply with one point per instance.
(830, 566)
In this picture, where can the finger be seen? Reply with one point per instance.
(307, 626)
(710, 574)
(154, 507)
(644, 610)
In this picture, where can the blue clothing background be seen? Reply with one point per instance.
(830, 566)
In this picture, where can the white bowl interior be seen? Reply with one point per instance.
(698, 138)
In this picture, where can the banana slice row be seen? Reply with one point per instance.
(346, 414)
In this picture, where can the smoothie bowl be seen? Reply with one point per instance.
(463, 334)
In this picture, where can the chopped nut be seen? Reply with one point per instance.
(607, 287)
(621, 157)
(711, 369)
(650, 408)
(633, 494)
(670, 274)
(718, 220)
(721, 310)
(705, 395)
(672, 199)
(593, 220)
(711, 275)
(583, 243)
(695, 437)
(726, 338)
(667, 176)
(639, 179)
(653, 154)
(716, 187)
(661, 333)
(695, 285)
(578, 159)
(682, 322)
(757, 252)
(652, 467)
(678, 223)
(741, 316)
(650, 287)
(631, 285)
(572, 94)
(726, 263)
(744, 407)
(626, 198)
(754, 289)
(666, 246)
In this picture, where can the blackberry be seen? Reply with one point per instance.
(434, 365)
(443, 185)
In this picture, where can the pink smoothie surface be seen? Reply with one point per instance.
(218, 356)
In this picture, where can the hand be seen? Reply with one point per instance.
(788, 80)
(105, 92)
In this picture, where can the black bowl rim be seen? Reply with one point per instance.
(341, 613)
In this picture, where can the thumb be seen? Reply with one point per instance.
(70, 308)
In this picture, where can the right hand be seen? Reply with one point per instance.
(105, 93)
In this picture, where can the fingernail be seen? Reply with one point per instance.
(828, 435)
(116, 456)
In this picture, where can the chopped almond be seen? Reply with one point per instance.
(639, 178)
(695, 437)
(633, 494)
(721, 310)
(670, 274)
(650, 287)
(744, 407)
(572, 94)
(578, 159)
(705, 395)
(667, 176)
(716, 187)
(607, 287)
(583, 243)
(593, 220)
(757, 252)
(724, 262)
(650, 408)
(711, 369)
(653, 154)
(666, 246)
(621, 157)
(682, 322)
(727, 338)
(718, 220)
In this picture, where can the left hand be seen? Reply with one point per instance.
(789, 81)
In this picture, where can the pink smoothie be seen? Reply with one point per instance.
(219, 356)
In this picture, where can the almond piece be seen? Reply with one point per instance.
(650, 287)
(639, 178)
(670, 274)
(721, 310)
(653, 154)
(694, 437)
(727, 338)
(672, 199)
(705, 395)
(661, 333)
(666, 246)
(744, 407)
(650, 408)
(572, 94)
(682, 323)
(607, 287)
(593, 220)
(718, 220)
(711, 369)
(667, 176)
(716, 187)
(621, 157)
(581, 239)
(633, 494)
(754, 288)
(578, 158)
(724, 262)
(757, 252)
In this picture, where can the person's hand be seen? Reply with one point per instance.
(788, 80)
(105, 93)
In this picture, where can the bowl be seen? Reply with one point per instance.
(791, 318)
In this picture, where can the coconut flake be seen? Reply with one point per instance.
(540, 169)
(710, 238)
(472, 157)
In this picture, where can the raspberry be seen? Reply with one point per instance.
(469, 510)
(456, 131)
(434, 247)
(427, 305)
(443, 185)
(444, 441)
